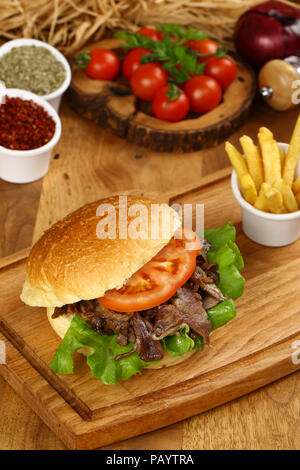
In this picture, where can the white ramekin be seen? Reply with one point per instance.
(24, 166)
(265, 228)
(55, 97)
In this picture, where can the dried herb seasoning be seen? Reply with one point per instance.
(24, 125)
(32, 68)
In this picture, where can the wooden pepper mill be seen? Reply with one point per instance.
(275, 81)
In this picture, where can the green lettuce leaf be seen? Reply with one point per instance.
(104, 348)
(177, 345)
(226, 255)
(222, 313)
(101, 360)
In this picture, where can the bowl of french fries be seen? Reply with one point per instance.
(266, 183)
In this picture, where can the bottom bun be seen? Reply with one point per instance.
(61, 324)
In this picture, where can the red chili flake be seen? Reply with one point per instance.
(24, 125)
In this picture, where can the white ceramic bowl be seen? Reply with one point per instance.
(55, 97)
(265, 228)
(24, 166)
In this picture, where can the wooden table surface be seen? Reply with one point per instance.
(266, 419)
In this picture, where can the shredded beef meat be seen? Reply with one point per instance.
(101, 319)
(188, 302)
(145, 329)
(84, 307)
(167, 321)
(201, 280)
(209, 301)
(107, 321)
(201, 258)
(119, 356)
(205, 246)
(148, 348)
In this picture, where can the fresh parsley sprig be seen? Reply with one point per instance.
(134, 40)
(180, 34)
(177, 58)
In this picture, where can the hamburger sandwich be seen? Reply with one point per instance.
(130, 290)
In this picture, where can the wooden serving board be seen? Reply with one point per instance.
(251, 351)
(114, 107)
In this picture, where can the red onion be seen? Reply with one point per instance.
(268, 31)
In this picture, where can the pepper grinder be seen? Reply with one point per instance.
(275, 81)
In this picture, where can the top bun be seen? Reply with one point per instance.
(71, 261)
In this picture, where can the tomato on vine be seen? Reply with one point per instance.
(170, 104)
(151, 33)
(133, 61)
(147, 79)
(223, 70)
(100, 63)
(204, 47)
(204, 93)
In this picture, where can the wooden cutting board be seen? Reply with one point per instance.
(249, 352)
(113, 106)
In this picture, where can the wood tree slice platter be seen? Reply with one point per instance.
(113, 106)
(253, 350)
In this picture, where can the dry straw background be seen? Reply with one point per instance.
(69, 24)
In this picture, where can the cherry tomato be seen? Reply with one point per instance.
(133, 60)
(147, 79)
(203, 92)
(224, 70)
(205, 46)
(158, 280)
(104, 64)
(167, 110)
(151, 33)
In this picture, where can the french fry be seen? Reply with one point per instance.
(297, 196)
(266, 132)
(288, 197)
(296, 185)
(270, 157)
(237, 160)
(248, 188)
(269, 135)
(282, 158)
(292, 155)
(275, 201)
(261, 202)
(254, 160)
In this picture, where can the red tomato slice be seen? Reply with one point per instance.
(159, 279)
